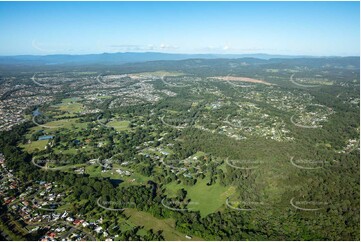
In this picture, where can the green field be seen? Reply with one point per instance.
(39, 144)
(119, 125)
(69, 105)
(206, 199)
(58, 124)
(150, 222)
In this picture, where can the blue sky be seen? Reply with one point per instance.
(310, 28)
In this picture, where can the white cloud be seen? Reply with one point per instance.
(167, 47)
(149, 47)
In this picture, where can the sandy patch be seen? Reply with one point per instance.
(240, 79)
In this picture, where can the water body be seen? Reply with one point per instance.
(115, 182)
(45, 137)
(36, 112)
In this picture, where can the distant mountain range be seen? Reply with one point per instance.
(122, 58)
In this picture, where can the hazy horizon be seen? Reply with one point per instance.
(190, 54)
(274, 28)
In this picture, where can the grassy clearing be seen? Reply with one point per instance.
(206, 199)
(96, 171)
(199, 154)
(58, 124)
(70, 105)
(134, 179)
(150, 222)
(119, 125)
(39, 144)
(159, 73)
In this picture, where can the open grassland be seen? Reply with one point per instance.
(119, 125)
(206, 199)
(58, 124)
(150, 222)
(69, 105)
(31, 147)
